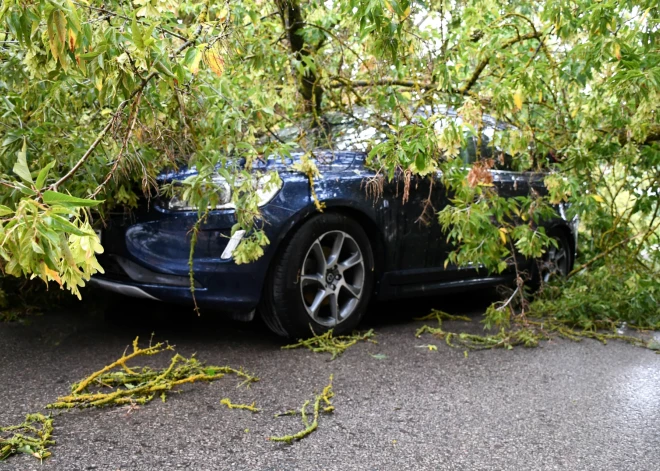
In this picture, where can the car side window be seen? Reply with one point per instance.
(469, 153)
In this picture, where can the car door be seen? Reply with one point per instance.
(422, 246)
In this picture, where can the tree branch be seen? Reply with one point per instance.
(341, 82)
(127, 137)
(601, 255)
(120, 108)
(126, 18)
(484, 62)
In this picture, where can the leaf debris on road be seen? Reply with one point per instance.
(141, 385)
(323, 398)
(335, 345)
(27, 437)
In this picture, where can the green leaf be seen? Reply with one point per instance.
(91, 55)
(25, 449)
(55, 198)
(64, 225)
(378, 356)
(36, 248)
(21, 167)
(420, 162)
(25, 189)
(136, 34)
(10, 140)
(43, 174)
(4, 210)
(73, 17)
(164, 69)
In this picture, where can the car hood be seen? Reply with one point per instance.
(326, 161)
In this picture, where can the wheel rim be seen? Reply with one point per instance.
(332, 278)
(555, 261)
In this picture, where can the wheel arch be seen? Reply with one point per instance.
(363, 218)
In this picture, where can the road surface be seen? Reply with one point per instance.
(564, 405)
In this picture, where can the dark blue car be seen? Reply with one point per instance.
(321, 269)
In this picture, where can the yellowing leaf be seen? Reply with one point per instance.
(215, 61)
(518, 100)
(98, 82)
(72, 40)
(60, 26)
(194, 66)
(222, 15)
(598, 198)
(431, 348)
(51, 273)
(503, 232)
(617, 51)
(52, 35)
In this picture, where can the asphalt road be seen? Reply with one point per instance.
(562, 406)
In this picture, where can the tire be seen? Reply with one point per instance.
(321, 280)
(556, 262)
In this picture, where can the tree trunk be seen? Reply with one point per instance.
(293, 23)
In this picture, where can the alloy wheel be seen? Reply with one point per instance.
(555, 262)
(332, 278)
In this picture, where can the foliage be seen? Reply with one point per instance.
(335, 345)
(604, 297)
(512, 331)
(97, 98)
(141, 385)
(138, 385)
(33, 437)
(48, 237)
(321, 403)
(438, 315)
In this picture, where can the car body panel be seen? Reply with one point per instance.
(410, 252)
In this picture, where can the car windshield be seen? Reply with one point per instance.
(335, 131)
(359, 132)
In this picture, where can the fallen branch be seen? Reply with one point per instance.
(27, 438)
(250, 407)
(141, 385)
(440, 316)
(334, 345)
(528, 333)
(323, 398)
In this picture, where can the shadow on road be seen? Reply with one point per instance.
(105, 314)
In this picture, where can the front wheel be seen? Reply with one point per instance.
(322, 279)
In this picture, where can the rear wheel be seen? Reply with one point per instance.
(556, 262)
(322, 279)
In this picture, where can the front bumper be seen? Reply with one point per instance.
(148, 256)
(121, 288)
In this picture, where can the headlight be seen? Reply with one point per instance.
(265, 186)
